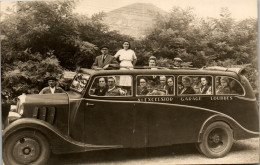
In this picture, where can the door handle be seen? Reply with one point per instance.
(89, 104)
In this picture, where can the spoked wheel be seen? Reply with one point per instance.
(26, 147)
(217, 140)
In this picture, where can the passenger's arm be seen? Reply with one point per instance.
(114, 63)
(134, 62)
(94, 66)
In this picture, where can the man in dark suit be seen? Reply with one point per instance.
(52, 88)
(105, 61)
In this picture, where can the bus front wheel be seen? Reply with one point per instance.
(217, 140)
(26, 147)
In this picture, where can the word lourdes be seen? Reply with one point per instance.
(188, 98)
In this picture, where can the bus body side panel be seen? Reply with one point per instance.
(160, 124)
(243, 111)
(179, 121)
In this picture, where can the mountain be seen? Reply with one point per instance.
(133, 19)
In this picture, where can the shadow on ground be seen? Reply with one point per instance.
(119, 155)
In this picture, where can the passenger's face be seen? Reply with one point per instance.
(102, 82)
(104, 50)
(125, 45)
(142, 83)
(196, 80)
(204, 81)
(170, 82)
(52, 83)
(163, 80)
(111, 82)
(217, 82)
(185, 83)
(224, 83)
(149, 88)
(152, 63)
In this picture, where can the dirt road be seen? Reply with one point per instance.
(244, 151)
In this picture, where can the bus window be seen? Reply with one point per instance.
(155, 85)
(110, 86)
(194, 85)
(227, 86)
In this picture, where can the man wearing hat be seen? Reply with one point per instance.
(105, 61)
(52, 88)
(177, 62)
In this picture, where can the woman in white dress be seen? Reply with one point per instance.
(127, 60)
(126, 56)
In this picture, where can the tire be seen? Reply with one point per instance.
(26, 147)
(198, 148)
(217, 140)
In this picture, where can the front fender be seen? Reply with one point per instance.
(239, 132)
(59, 142)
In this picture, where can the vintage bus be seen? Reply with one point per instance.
(107, 109)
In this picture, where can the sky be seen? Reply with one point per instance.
(239, 9)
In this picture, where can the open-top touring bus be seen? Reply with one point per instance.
(210, 107)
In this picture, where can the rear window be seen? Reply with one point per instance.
(228, 86)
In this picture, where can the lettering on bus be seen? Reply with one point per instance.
(222, 98)
(190, 98)
(156, 99)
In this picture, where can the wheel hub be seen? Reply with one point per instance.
(216, 138)
(26, 150)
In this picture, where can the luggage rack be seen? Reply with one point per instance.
(237, 70)
(166, 68)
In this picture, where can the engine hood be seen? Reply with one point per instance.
(46, 99)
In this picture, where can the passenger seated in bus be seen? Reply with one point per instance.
(224, 89)
(196, 85)
(217, 83)
(205, 86)
(113, 90)
(102, 87)
(179, 86)
(170, 86)
(187, 89)
(142, 89)
(153, 90)
(162, 85)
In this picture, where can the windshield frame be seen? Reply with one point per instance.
(85, 85)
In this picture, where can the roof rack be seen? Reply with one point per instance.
(167, 68)
(237, 70)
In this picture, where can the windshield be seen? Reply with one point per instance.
(79, 82)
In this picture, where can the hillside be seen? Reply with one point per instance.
(133, 19)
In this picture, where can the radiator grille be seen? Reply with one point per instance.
(45, 113)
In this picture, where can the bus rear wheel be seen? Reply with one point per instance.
(217, 140)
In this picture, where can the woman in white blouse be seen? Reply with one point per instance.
(126, 56)
(127, 60)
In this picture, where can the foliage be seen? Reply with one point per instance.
(28, 74)
(45, 38)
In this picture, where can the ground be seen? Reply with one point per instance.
(242, 152)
